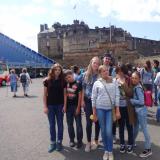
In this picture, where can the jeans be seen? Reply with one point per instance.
(142, 123)
(13, 86)
(105, 121)
(124, 121)
(158, 95)
(70, 115)
(25, 87)
(88, 111)
(55, 114)
(155, 93)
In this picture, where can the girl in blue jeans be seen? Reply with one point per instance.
(105, 93)
(53, 100)
(141, 112)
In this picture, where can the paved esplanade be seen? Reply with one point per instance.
(24, 133)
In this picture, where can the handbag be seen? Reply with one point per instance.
(113, 107)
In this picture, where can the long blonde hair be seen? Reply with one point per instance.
(89, 72)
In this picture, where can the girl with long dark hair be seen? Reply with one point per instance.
(53, 99)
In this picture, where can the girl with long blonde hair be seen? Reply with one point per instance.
(89, 78)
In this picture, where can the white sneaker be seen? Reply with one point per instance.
(88, 147)
(110, 156)
(94, 146)
(105, 156)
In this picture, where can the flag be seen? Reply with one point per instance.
(75, 6)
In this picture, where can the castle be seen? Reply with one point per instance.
(77, 43)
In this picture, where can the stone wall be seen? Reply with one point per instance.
(50, 44)
(82, 58)
(142, 60)
(77, 43)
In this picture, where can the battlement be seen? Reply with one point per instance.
(62, 39)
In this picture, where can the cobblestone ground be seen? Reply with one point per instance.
(24, 133)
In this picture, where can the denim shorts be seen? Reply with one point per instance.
(13, 87)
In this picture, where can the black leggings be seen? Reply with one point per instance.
(124, 121)
(88, 111)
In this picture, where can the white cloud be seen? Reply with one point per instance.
(59, 7)
(31, 10)
(58, 3)
(38, 1)
(20, 21)
(64, 3)
(128, 10)
(16, 23)
(19, 30)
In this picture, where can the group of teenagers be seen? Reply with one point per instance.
(110, 96)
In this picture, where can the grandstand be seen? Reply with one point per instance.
(16, 55)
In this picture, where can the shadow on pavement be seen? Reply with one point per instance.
(29, 96)
(80, 154)
(151, 118)
(153, 122)
(32, 96)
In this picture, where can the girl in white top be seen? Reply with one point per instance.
(105, 96)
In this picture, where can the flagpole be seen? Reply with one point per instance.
(110, 33)
(75, 8)
(124, 35)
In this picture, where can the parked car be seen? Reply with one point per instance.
(3, 81)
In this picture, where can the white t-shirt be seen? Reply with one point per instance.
(28, 77)
(157, 79)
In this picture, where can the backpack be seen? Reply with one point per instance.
(148, 99)
(23, 78)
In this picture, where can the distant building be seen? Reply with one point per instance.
(77, 43)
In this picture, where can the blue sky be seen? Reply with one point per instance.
(21, 19)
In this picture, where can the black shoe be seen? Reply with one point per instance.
(52, 147)
(79, 144)
(146, 153)
(71, 143)
(129, 149)
(122, 148)
(155, 103)
(59, 146)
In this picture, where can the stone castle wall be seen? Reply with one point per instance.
(77, 43)
(117, 49)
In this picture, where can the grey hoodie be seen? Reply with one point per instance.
(100, 98)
